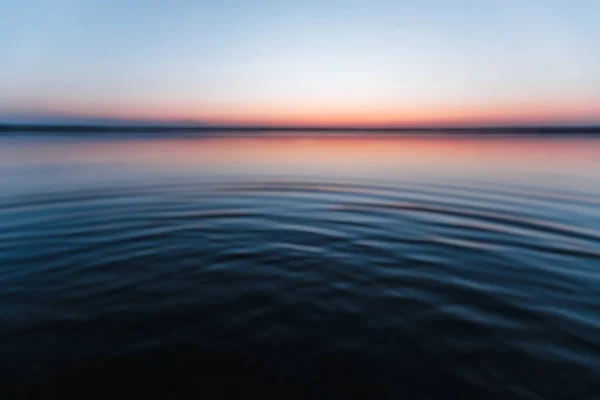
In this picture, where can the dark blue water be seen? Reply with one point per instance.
(361, 267)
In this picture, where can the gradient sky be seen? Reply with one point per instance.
(308, 62)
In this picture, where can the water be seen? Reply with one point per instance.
(304, 267)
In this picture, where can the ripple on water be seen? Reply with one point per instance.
(497, 289)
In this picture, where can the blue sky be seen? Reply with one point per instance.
(295, 62)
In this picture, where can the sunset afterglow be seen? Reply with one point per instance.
(290, 63)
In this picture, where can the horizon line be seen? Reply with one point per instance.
(99, 127)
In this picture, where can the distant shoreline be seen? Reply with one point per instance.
(492, 130)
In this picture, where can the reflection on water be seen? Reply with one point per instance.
(307, 267)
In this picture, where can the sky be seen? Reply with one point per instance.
(301, 62)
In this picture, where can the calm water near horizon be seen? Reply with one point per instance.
(310, 267)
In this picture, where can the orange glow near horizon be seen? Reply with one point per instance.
(359, 63)
(286, 115)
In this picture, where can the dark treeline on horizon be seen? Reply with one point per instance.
(88, 128)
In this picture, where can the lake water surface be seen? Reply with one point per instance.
(301, 266)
